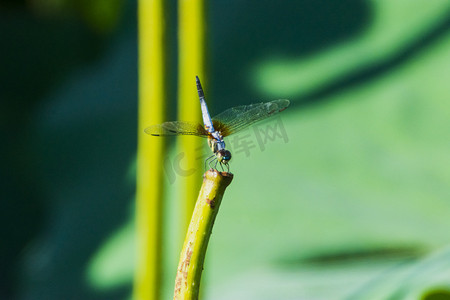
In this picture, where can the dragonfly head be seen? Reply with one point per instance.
(223, 156)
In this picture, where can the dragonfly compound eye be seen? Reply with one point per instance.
(223, 156)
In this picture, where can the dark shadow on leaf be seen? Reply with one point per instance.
(380, 69)
(437, 294)
(347, 256)
(293, 28)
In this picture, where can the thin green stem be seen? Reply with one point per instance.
(152, 102)
(191, 63)
(192, 257)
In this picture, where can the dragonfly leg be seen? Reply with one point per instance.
(212, 161)
(226, 165)
(215, 165)
(208, 161)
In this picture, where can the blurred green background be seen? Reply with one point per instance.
(352, 204)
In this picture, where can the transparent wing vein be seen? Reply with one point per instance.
(237, 118)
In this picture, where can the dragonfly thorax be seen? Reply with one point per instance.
(216, 142)
(217, 136)
(217, 145)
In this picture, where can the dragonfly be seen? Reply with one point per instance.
(224, 124)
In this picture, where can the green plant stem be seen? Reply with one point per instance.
(190, 267)
(151, 152)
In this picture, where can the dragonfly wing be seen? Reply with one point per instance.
(237, 118)
(176, 128)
